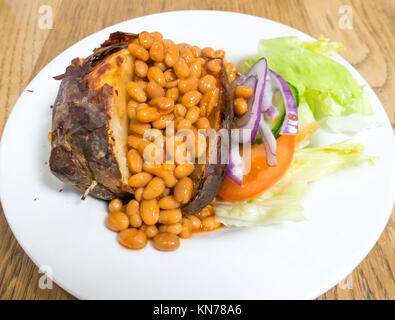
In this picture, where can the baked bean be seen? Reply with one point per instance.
(172, 84)
(131, 109)
(180, 110)
(181, 68)
(149, 151)
(132, 238)
(193, 114)
(138, 51)
(150, 231)
(136, 92)
(170, 216)
(145, 39)
(172, 55)
(243, 92)
(183, 190)
(209, 101)
(191, 98)
(231, 77)
(157, 52)
(163, 103)
(166, 241)
(207, 82)
(219, 54)
(149, 211)
(134, 141)
(168, 166)
(214, 66)
(142, 84)
(170, 75)
(138, 194)
(186, 232)
(154, 90)
(195, 69)
(183, 170)
(139, 179)
(132, 207)
(196, 223)
(161, 123)
(156, 74)
(156, 36)
(161, 66)
(184, 124)
(115, 205)
(187, 55)
(240, 106)
(135, 162)
(183, 45)
(209, 224)
(154, 188)
(205, 212)
(203, 123)
(175, 228)
(135, 220)
(117, 221)
(148, 115)
(187, 85)
(138, 127)
(210, 52)
(140, 68)
(169, 178)
(168, 202)
(172, 93)
(196, 51)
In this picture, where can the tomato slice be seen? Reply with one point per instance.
(261, 176)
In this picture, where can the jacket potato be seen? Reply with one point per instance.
(90, 127)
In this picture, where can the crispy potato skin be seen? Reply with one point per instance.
(81, 151)
(207, 178)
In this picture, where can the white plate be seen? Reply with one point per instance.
(346, 212)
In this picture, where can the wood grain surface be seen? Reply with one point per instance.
(26, 48)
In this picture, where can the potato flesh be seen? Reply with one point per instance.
(116, 71)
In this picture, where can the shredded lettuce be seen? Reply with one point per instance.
(325, 85)
(282, 202)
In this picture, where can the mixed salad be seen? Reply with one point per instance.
(297, 88)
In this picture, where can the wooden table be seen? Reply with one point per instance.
(27, 46)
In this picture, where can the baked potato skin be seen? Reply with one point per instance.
(81, 147)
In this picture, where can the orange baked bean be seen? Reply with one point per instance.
(156, 36)
(148, 114)
(210, 52)
(207, 82)
(157, 51)
(240, 106)
(117, 221)
(132, 238)
(168, 202)
(115, 205)
(166, 241)
(243, 92)
(139, 179)
(180, 110)
(181, 68)
(163, 103)
(154, 188)
(150, 231)
(170, 216)
(193, 114)
(214, 66)
(156, 74)
(136, 92)
(172, 93)
(149, 211)
(186, 85)
(191, 98)
(183, 190)
(183, 170)
(196, 223)
(145, 39)
(186, 232)
(203, 123)
(140, 68)
(138, 51)
(154, 90)
(171, 228)
(135, 162)
(209, 224)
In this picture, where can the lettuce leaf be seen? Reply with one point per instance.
(282, 202)
(325, 85)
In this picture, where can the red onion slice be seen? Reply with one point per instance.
(271, 113)
(269, 142)
(256, 78)
(290, 124)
